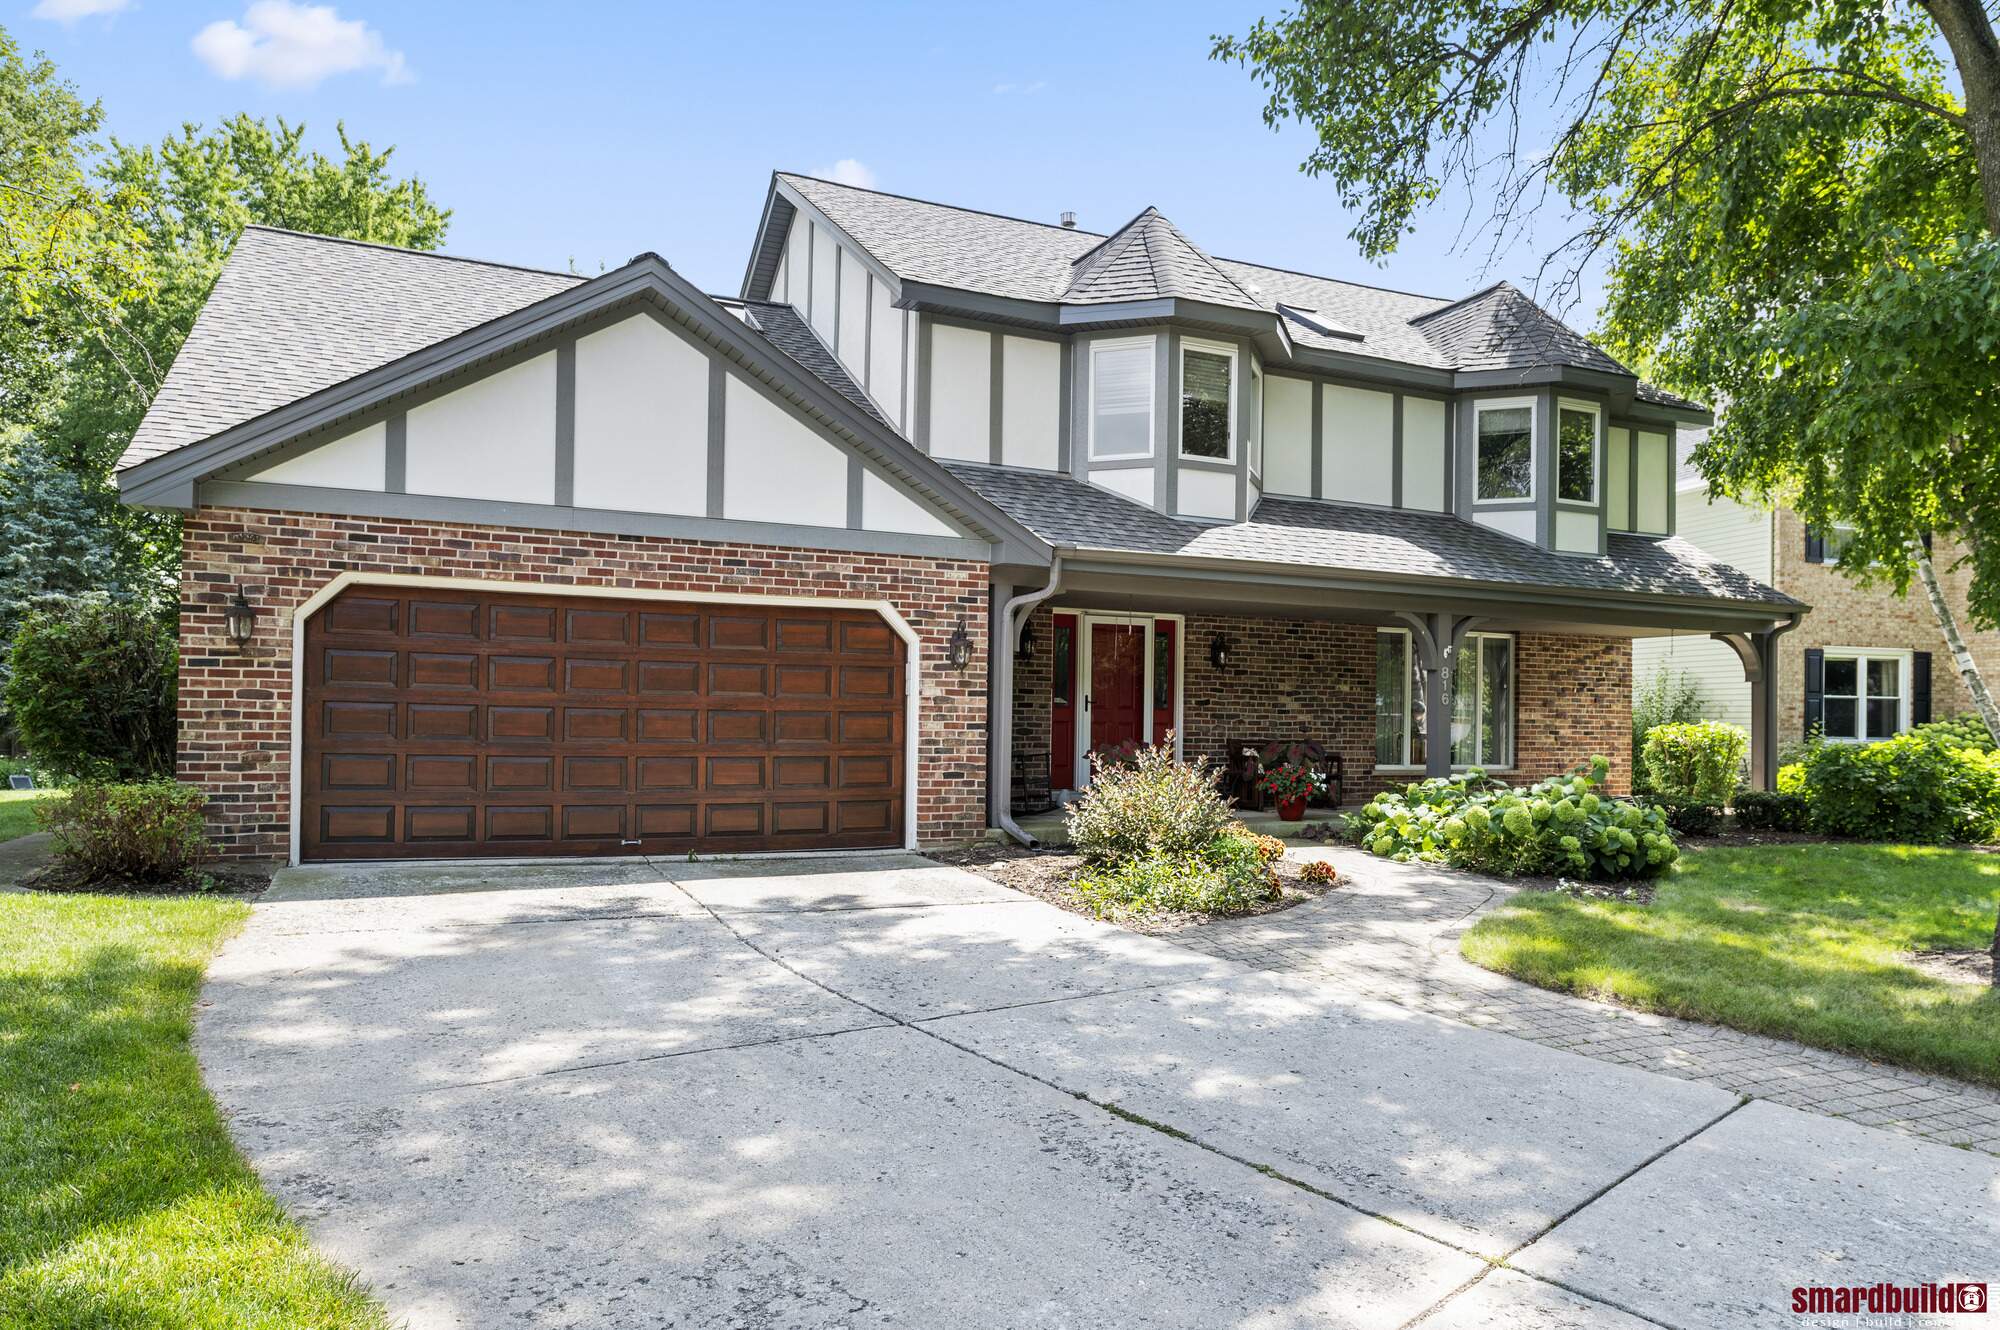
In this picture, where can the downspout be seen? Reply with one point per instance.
(1000, 727)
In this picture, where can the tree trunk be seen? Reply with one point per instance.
(1975, 50)
(1954, 641)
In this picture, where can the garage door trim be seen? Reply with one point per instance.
(501, 586)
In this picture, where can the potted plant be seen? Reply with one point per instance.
(1291, 784)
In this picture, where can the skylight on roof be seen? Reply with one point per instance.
(1319, 323)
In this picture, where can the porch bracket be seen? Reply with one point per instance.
(1758, 652)
(1435, 639)
(1000, 705)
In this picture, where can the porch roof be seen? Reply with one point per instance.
(1350, 538)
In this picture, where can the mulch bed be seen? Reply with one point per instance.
(1955, 967)
(212, 882)
(1046, 874)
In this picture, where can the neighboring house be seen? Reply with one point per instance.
(940, 503)
(1866, 663)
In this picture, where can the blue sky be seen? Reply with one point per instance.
(588, 132)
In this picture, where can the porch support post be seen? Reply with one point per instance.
(1435, 639)
(1758, 652)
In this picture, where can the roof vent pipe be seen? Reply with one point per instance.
(1069, 221)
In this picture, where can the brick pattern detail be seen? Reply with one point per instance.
(1291, 678)
(235, 708)
(1034, 686)
(1847, 614)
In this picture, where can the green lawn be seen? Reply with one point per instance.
(1791, 940)
(122, 1202)
(17, 811)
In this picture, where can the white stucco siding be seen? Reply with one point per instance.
(1618, 479)
(641, 420)
(1135, 482)
(1423, 454)
(852, 344)
(961, 393)
(1518, 522)
(495, 438)
(354, 461)
(1202, 493)
(825, 281)
(775, 468)
(885, 354)
(798, 264)
(1031, 402)
(888, 507)
(1653, 459)
(1288, 421)
(1357, 431)
(1576, 532)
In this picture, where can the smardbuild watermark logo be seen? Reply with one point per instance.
(1888, 1299)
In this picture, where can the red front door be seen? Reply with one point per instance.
(1062, 707)
(1117, 684)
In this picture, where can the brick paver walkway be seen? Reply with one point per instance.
(1391, 933)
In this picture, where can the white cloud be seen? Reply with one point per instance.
(286, 45)
(1025, 89)
(69, 11)
(848, 171)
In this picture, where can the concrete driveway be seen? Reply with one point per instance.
(882, 1092)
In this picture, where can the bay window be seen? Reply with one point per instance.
(1504, 462)
(1208, 398)
(1865, 695)
(1121, 398)
(1482, 702)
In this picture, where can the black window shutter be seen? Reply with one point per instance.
(1815, 689)
(1927, 542)
(1815, 547)
(1920, 687)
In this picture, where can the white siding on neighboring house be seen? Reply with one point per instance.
(1031, 402)
(495, 438)
(961, 393)
(1423, 454)
(641, 420)
(1288, 443)
(775, 468)
(1735, 534)
(351, 462)
(1357, 434)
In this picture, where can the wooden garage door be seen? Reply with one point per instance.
(451, 724)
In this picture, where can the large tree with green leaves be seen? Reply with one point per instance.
(1798, 200)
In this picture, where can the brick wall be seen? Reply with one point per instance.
(1845, 613)
(1316, 679)
(235, 708)
(1034, 686)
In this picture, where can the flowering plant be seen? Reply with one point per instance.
(1291, 780)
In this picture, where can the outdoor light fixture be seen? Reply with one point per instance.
(1025, 648)
(1218, 651)
(958, 651)
(239, 620)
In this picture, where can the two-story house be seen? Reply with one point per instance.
(488, 561)
(1865, 664)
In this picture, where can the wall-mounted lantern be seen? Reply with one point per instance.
(1025, 649)
(239, 621)
(958, 650)
(1219, 648)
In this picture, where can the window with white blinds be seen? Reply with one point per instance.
(1121, 399)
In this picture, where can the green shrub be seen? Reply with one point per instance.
(1915, 788)
(1691, 819)
(91, 690)
(1770, 810)
(1669, 697)
(148, 832)
(1965, 730)
(1695, 762)
(1151, 806)
(1563, 825)
(1792, 778)
(1226, 877)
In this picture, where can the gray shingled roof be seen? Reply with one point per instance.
(1071, 514)
(1149, 259)
(292, 314)
(1499, 328)
(785, 328)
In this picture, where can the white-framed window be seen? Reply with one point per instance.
(1578, 425)
(1121, 398)
(1504, 457)
(1482, 702)
(1208, 401)
(1864, 694)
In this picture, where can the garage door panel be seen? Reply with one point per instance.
(453, 723)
